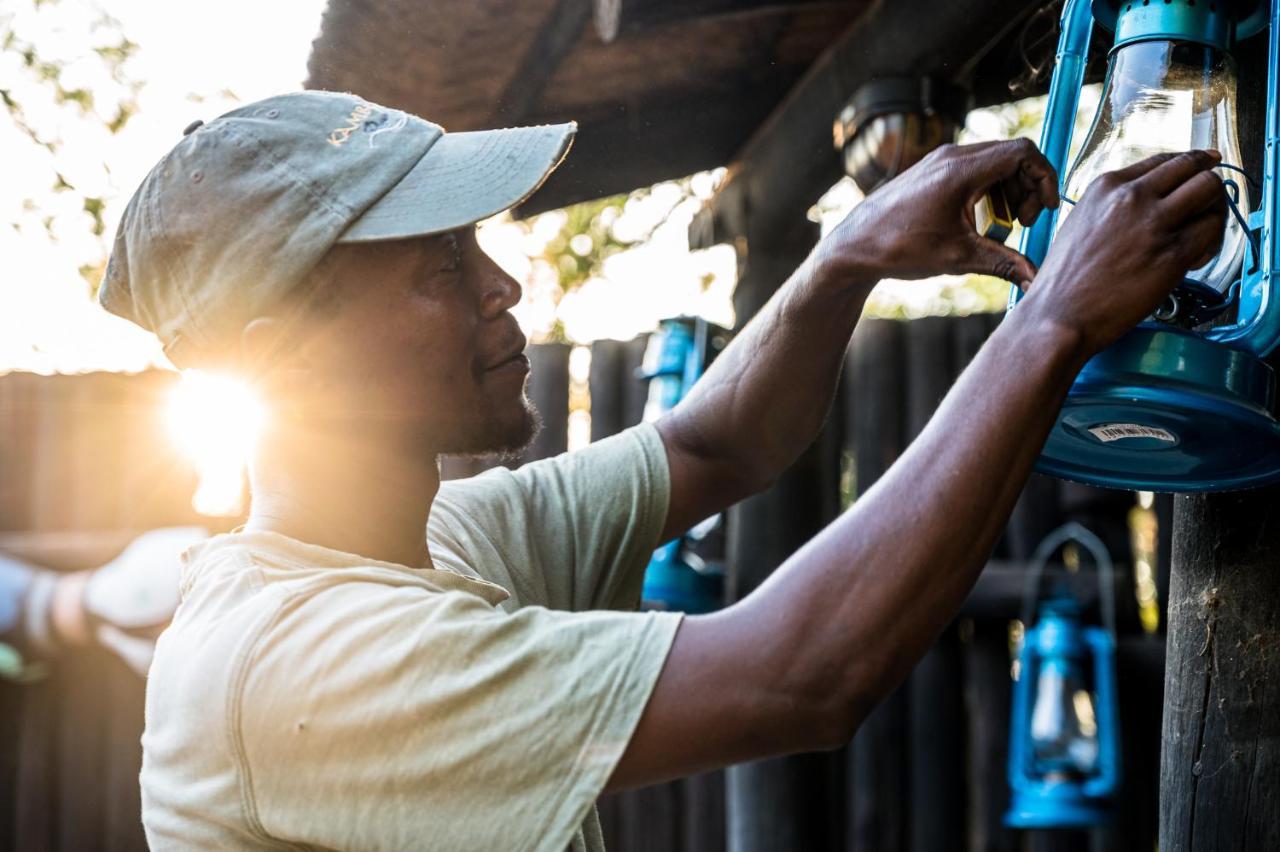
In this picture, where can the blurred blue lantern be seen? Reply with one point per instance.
(682, 574)
(1064, 738)
(1184, 402)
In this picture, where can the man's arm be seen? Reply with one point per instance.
(121, 605)
(765, 398)
(798, 663)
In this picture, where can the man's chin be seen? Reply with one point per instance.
(507, 435)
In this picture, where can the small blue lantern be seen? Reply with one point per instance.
(1064, 737)
(679, 576)
(1184, 402)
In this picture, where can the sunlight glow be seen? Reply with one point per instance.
(215, 421)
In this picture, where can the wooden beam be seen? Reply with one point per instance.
(552, 43)
(615, 18)
(790, 161)
(679, 138)
(997, 595)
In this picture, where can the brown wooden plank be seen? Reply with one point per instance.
(877, 815)
(617, 18)
(935, 722)
(987, 696)
(547, 49)
(1220, 770)
(549, 392)
(786, 803)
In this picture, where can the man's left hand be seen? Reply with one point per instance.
(922, 223)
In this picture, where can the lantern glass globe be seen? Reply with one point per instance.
(1064, 730)
(1165, 96)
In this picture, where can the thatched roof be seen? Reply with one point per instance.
(664, 88)
(663, 99)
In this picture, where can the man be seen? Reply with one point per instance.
(334, 679)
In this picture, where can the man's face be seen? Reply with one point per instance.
(422, 347)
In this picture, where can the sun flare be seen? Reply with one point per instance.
(215, 421)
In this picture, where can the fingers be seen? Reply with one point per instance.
(1023, 186)
(1201, 239)
(987, 257)
(1177, 170)
(1133, 171)
(1018, 165)
(1201, 191)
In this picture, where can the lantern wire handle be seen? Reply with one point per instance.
(1080, 534)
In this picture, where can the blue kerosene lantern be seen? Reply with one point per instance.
(1184, 402)
(1064, 735)
(680, 577)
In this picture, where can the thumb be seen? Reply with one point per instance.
(988, 257)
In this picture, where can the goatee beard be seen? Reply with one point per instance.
(506, 441)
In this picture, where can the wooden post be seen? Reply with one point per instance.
(617, 393)
(605, 385)
(1220, 767)
(786, 803)
(549, 393)
(680, 816)
(878, 815)
(935, 723)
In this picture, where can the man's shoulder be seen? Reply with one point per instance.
(636, 447)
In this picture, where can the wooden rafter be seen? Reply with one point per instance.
(617, 17)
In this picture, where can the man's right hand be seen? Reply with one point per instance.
(1129, 242)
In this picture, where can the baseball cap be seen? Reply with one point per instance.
(236, 215)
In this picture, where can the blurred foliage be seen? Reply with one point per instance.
(972, 294)
(585, 241)
(587, 237)
(62, 104)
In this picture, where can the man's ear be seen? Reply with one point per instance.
(272, 356)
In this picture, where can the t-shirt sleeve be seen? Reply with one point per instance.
(396, 719)
(575, 531)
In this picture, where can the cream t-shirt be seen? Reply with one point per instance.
(307, 698)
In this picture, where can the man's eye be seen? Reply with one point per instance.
(452, 261)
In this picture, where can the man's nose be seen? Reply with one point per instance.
(501, 292)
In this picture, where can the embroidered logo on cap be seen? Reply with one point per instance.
(365, 117)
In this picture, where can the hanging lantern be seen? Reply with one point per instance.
(684, 574)
(1064, 740)
(1184, 402)
(891, 123)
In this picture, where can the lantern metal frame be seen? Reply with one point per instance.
(1197, 407)
(1036, 802)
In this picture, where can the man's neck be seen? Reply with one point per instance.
(357, 496)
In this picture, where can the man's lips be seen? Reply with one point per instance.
(517, 363)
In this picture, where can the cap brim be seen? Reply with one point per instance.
(462, 179)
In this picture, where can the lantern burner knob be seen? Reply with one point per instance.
(1168, 309)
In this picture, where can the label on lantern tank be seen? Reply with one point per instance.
(1115, 431)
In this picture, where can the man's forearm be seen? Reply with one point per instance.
(764, 399)
(869, 594)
